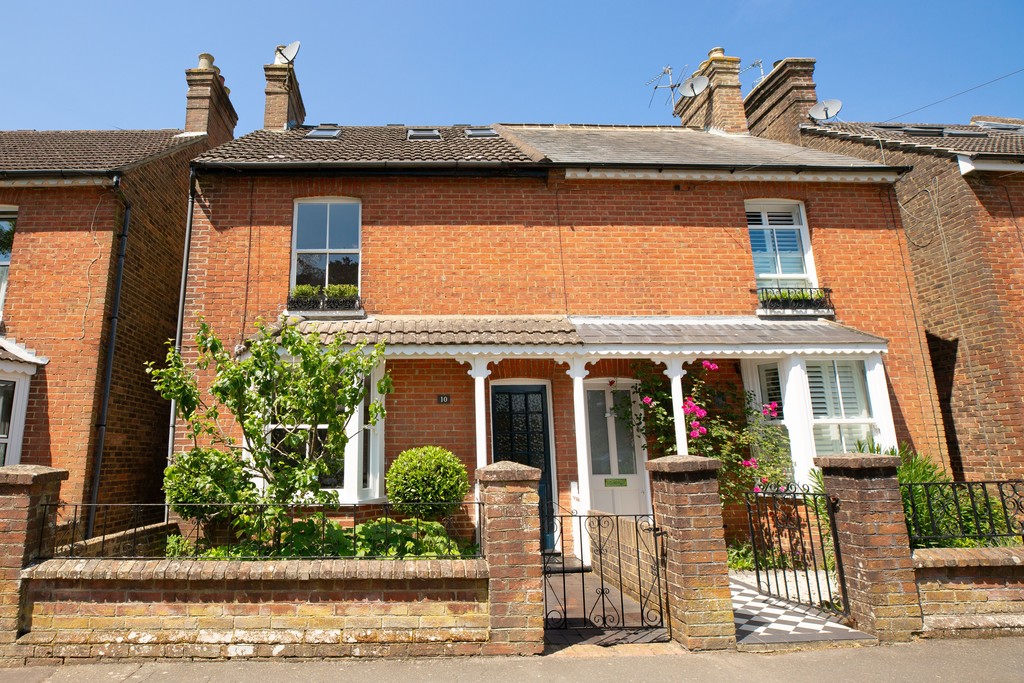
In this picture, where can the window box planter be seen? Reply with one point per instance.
(794, 301)
(324, 307)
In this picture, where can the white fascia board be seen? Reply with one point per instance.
(733, 176)
(83, 181)
(971, 165)
(620, 351)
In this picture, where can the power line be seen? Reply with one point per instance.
(944, 99)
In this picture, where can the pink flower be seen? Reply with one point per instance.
(708, 365)
(749, 463)
(694, 434)
(770, 409)
(757, 489)
(764, 480)
(648, 400)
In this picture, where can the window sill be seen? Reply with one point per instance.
(795, 312)
(321, 314)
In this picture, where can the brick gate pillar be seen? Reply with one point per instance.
(872, 538)
(25, 490)
(511, 545)
(688, 509)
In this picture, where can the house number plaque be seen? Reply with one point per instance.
(444, 399)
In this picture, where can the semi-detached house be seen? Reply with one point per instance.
(516, 272)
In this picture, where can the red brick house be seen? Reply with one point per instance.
(960, 208)
(93, 226)
(516, 272)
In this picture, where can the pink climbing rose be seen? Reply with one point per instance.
(648, 400)
(708, 365)
(770, 409)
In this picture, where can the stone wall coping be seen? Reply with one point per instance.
(27, 475)
(75, 569)
(857, 461)
(506, 470)
(684, 463)
(925, 558)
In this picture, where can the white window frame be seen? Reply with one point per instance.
(863, 387)
(328, 251)
(765, 205)
(352, 491)
(7, 212)
(20, 374)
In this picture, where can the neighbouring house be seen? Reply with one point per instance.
(92, 230)
(960, 210)
(517, 272)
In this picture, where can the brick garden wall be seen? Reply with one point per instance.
(970, 591)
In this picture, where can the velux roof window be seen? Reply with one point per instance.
(324, 133)
(481, 133)
(424, 134)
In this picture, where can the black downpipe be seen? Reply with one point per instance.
(101, 425)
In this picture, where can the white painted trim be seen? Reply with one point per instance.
(675, 373)
(972, 165)
(797, 416)
(811, 272)
(878, 401)
(83, 181)
(479, 371)
(19, 408)
(563, 353)
(819, 176)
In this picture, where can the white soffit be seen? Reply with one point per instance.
(732, 176)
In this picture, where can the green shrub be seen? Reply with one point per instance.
(306, 291)
(178, 546)
(428, 474)
(203, 483)
(341, 291)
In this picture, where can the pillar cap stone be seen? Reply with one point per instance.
(684, 463)
(26, 475)
(857, 461)
(507, 470)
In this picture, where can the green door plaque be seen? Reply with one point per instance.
(615, 483)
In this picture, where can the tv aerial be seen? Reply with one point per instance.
(824, 110)
(286, 54)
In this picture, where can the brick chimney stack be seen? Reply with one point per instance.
(284, 109)
(777, 105)
(208, 108)
(720, 106)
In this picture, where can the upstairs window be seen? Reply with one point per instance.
(326, 242)
(780, 245)
(839, 405)
(7, 221)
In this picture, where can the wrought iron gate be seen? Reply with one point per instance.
(603, 572)
(795, 547)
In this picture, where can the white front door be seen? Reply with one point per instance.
(618, 480)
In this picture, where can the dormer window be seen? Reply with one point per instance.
(424, 134)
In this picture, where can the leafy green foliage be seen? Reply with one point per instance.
(427, 482)
(341, 291)
(754, 450)
(290, 398)
(306, 291)
(177, 546)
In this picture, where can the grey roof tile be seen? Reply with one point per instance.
(83, 150)
(998, 142)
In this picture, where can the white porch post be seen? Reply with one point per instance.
(675, 373)
(797, 416)
(479, 371)
(578, 371)
(878, 397)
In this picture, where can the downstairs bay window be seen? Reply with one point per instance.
(841, 412)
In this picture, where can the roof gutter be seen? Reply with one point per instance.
(976, 163)
(58, 177)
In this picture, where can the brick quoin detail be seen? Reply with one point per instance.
(872, 537)
(688, 509)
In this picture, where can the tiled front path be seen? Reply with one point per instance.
(762, 622)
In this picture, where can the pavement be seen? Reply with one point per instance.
(999, 659)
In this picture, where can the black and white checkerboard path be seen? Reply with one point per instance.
(765, 620)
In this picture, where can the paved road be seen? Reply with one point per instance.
(1001, 659)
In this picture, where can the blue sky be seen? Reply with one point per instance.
(120, 65)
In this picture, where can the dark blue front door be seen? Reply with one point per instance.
(520, 430)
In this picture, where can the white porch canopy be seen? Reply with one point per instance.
(579, 342)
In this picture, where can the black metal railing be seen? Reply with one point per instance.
(324, 303)
(258, 531)
(795, 299)
(964, 514)
(795, 547)
(603, 572)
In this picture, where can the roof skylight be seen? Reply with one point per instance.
(324, 133)
(424, 134)
(481, 133)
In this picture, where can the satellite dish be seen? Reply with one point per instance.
(692, 87)
(286, 55)
(825, 110)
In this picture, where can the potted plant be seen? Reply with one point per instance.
(305, 298)
(341, 297)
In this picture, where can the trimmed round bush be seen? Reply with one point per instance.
(429, 475)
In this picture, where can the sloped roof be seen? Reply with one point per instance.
(83, 151)
(523, 145)
(696, 333)
(668, 146)
(979, 140)
(364, 145)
